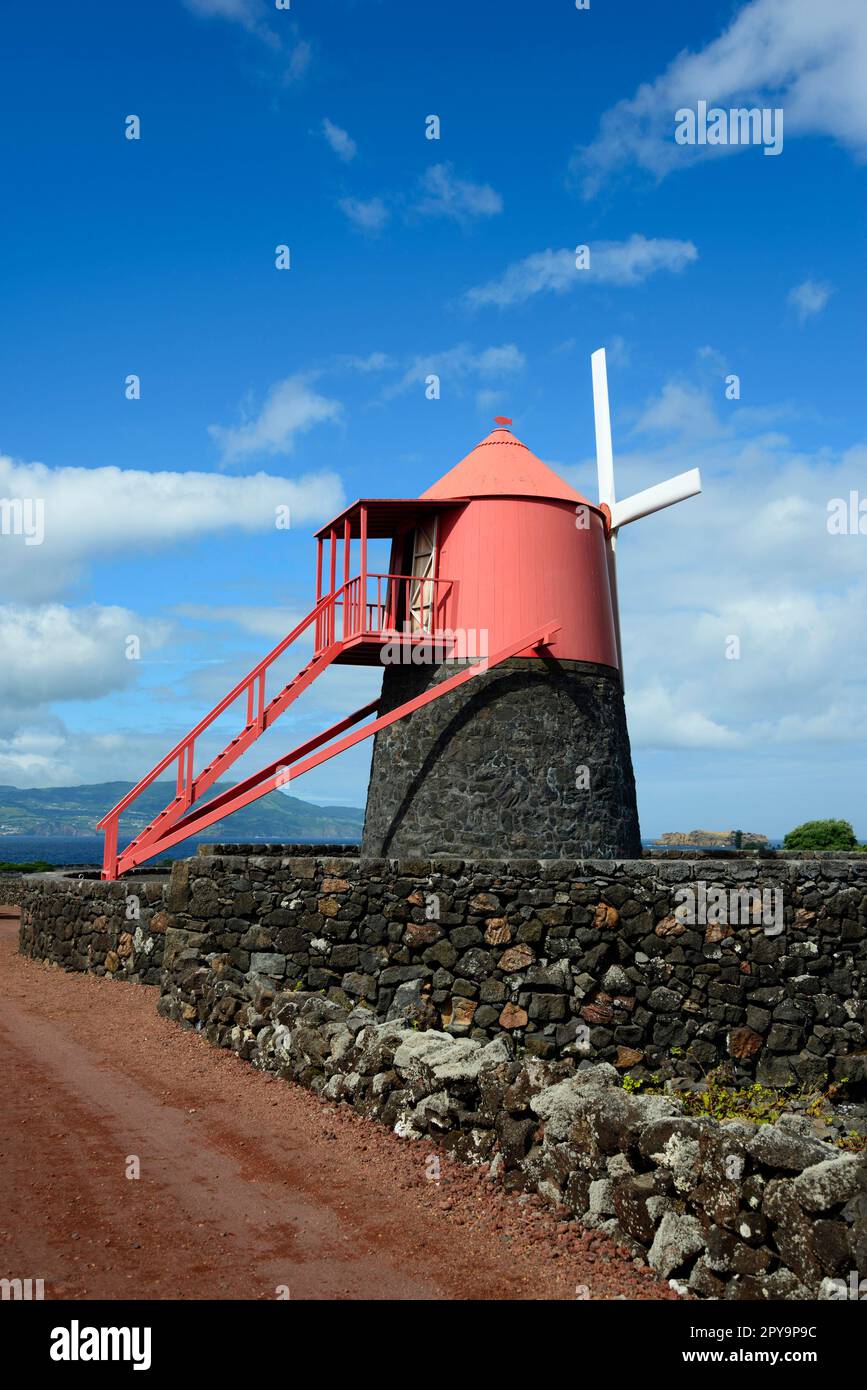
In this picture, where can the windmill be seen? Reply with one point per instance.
(490, 550)
(652, 499)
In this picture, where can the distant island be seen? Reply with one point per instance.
(717, 838)
(74, 811)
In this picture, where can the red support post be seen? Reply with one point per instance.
(188, 774)
(317, 627)
(109, 858)
(347, 543)
(260, 714)
(363, 585)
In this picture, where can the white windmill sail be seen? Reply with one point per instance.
(602, 421)
(652, 499)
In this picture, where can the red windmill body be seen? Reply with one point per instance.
(521, 546)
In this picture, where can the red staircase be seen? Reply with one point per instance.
(260, 715)
(347, 623)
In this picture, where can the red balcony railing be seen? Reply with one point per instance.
(400, 604)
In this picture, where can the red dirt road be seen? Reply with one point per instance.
(247, 1183)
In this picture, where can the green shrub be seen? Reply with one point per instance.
(821, 834)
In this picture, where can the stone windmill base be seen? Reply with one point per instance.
(529, 760)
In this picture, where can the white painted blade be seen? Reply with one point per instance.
(654, 499)
(602, 421)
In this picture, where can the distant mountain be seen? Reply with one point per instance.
(75, 811)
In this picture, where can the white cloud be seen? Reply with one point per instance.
(51, 652)
(248, 13)
(244, 12)
(299, 61)
(809, 298)
(459, 364)
(611, 263)
(273, 623)
(659, 718)
(340, 140)
(91, 513)
(42, 751)
(369, 216)
(292, 58)
(681, 408)
(444, 195)
(291, 407)
(373, 362)
(32, 756)
(440, 194)
(804, 57)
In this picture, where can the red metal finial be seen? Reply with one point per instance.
(501, 420)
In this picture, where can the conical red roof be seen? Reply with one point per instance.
(501, 466)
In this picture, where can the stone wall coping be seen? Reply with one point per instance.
(752, 869)
(665, 868)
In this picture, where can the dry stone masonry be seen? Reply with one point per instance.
(107, 928)
(583, 959)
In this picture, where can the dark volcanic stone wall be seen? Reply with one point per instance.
(493, 767)
(566, 959)
(12, 889)
(107, 928)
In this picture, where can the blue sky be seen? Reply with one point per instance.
(307, 127)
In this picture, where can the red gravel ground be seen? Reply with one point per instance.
(247, 1183)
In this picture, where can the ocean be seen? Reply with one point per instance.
(86, 850)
